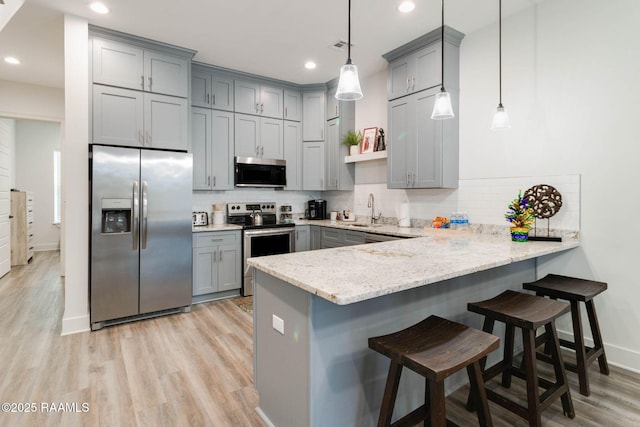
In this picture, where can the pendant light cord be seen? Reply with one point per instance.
(442, 53)
(500, 48)
(349, 36)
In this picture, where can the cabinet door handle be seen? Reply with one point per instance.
(214, 181)
(148, 137)
(407, 84)
(413, 83)
(257, 107)
(207, 98)
(407, 178)
(215, 256)
(261, 108)
(285, 112)
(220, 255)
(322, 133)
(209, 181)
(142, 82)
(149, 83)
(214, 99)
(336, 183)
(219, 239)
(261, 150)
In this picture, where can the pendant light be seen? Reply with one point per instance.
(500, 118)
(349, 85)
(442, 108)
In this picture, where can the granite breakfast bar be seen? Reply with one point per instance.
(317, 370)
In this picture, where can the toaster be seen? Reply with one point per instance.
(200, 218)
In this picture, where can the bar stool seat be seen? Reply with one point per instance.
(527, 312)
(576, 290)
(434, 348)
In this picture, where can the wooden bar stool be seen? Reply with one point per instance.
(527, 312)
(434, 348)
(576, 290)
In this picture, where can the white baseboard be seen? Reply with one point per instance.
(75, 325)
(46, 247)
(264, 417)
(616, 355)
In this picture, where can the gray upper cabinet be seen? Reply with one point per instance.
(293, 154)
(292, 105)
(333, 105)
(313, 167)
(415, 72)
(313, 115)
(135, 119)
(340, 175)
(259, 137)
(211, 89)
(124, 65)
(252, 97)
(422, 153)
(212, 144)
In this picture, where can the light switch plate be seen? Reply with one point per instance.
(278, 324)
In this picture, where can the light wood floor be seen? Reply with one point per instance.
(192, 369)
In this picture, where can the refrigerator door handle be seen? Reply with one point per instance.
(143, 245)
(135, 216)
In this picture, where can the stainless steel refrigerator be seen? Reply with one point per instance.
(140, 259)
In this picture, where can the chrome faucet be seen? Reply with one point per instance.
(370, 204)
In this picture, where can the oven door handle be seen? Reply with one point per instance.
(269, 231)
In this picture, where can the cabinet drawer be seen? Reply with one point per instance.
(201, 240)
(332, 234)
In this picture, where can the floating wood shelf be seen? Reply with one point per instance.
(366, 156)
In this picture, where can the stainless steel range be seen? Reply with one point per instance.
(262, 234)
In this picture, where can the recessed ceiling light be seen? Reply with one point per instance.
(406, 6)
(310, 65)
(98, 7)
(12, 60)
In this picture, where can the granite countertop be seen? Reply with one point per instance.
(351, 274)
(211, 227)
(388, 229)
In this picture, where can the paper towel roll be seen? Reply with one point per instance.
(404, 216)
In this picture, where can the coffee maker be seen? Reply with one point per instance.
(316, 209)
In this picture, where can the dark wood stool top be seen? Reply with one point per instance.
(568, 288)
(519, 309)
(435, 348)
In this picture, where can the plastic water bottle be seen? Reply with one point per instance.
(454, 223)
(464, 220)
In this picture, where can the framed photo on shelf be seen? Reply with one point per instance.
(369, 136)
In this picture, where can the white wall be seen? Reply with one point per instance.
(35, 143)
(570, 84)
(27, 101)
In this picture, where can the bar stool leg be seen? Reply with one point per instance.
(581, 356)
(487, 327)
(558, 367)
(476, 384)
(508, 355)
(597, 338)
(531, 374)
(437, 407)
(390, 393)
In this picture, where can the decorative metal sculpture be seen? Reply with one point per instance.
(546, 201)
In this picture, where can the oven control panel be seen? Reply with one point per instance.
(246, 208)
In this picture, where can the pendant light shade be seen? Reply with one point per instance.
(349, 84)
(442, 108)
(500, 117)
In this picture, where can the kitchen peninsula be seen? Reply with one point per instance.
(314, 311)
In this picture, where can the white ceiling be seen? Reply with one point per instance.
(271, 38)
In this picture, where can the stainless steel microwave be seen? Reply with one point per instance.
(257, 172)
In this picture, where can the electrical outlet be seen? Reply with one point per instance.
(278, 324)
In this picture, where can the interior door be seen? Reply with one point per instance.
(5, 229)
(165, 230)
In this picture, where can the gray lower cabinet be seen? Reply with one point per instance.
(211, 89)
(303, 238)
(212, 139)
(217, 262)
(313, 165)
(259, 137)
(315, 240)
(138, 119)
(293, 154)
(336, 237)
(422, 153)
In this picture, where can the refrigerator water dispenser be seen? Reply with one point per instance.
(116, 216)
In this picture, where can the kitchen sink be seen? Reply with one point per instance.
(365, 225)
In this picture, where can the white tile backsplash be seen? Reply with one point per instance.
(485, 200)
